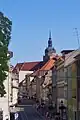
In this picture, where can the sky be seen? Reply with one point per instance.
(31, 22)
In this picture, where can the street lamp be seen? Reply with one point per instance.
(62, 109)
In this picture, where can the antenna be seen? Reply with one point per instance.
(76, 30)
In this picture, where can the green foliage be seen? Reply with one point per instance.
(5, 36)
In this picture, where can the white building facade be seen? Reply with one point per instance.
(6, 99)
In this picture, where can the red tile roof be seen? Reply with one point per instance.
(17, 67)
(31, 66)
(34, 66)
(48, 65)
(45, 67)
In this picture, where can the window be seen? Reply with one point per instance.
(60, 92)
(54, 77)
(60, 74)
(69, 71)
(65, 93)
(65, 75)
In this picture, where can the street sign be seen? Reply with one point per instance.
(16, 116)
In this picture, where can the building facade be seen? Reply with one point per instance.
(6, 99)
(65, 82)
(71, 79)
(77, 58)
(60, 81)
(14, 88)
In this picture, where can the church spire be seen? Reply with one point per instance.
(50, 34)
(49, 51)
(49, 41)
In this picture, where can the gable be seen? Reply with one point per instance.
(17, 67)
(70, 58)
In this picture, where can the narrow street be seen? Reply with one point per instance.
(29, 113)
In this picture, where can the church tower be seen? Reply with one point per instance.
(49, 51)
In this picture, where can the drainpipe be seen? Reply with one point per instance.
(56, 87)
(8, 95)
(67, 93)
(77, 116)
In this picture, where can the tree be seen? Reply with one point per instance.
(5, 36)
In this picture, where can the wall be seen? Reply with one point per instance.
(70, 57)
(54, 90)
(15, 84)
(38, 88)
(4, 101)
(22, 75)
(33, 89)
(60, 83)
(15, 96)
(78, 88)
(46, 83)
(71, 83)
